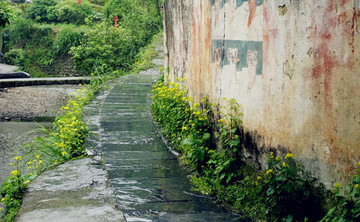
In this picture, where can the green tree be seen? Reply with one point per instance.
(6, 16)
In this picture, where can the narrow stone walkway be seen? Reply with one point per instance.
(149, 184)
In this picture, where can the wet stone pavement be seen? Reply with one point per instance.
(149, 184)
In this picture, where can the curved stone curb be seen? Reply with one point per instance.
(77, 191)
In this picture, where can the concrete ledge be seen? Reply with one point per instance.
(4, 83)
(77, 191)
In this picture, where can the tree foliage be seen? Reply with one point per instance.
(60, 12)
(6, 14)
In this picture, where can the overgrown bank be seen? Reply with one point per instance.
(95, 47)
(64, 142)
(211, 144)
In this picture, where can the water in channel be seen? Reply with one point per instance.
(149, 183)
(25, 106)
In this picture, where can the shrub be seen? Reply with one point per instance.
(19, 33)
(59, 12)
(6, 14)
(142, 18)
(40, 9)
(68, 37)
(71, 12)
(102, 50)
(15, 57)
(25, 33)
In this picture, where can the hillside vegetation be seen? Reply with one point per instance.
(56, 38)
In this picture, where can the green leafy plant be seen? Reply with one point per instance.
(15, 57)
(214, 154)
(13, 189)
(346, 201)
(64, 142)
(67, 37)
(40, 9)
(6, 14)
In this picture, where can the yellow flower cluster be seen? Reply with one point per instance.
(70, 126)
(35, 164)
(15, 173)
(337, 185)
(269, 172)
(289, 155)
(17, 158)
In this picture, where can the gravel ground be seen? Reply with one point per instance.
(26, 103)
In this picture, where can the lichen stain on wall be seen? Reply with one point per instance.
(198, 65)
(335, 62)
(323, 83)
(293, 66)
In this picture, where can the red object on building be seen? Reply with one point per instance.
(79, 1)
(116, 19)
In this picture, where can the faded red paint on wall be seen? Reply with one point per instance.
(252, 8)
(306, 99)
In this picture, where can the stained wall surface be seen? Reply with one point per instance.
(293, 66)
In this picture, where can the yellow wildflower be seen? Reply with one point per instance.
(37, 156)
(289, 155)
(357, 186)
(28, 181)
(63, 153)
(337, 185)
(14, 173)
(277, 158)
(17, 158)
(40, 162)
(259, 178)
(3, 199)
(284, 164)
(269, 171)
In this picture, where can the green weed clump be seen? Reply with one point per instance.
(214, 154)
(345, 205)
(187, 126)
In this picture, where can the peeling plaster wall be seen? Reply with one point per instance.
(293, 66)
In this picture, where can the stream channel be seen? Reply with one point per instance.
(24, 107)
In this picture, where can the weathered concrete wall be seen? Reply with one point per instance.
(293, 66)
